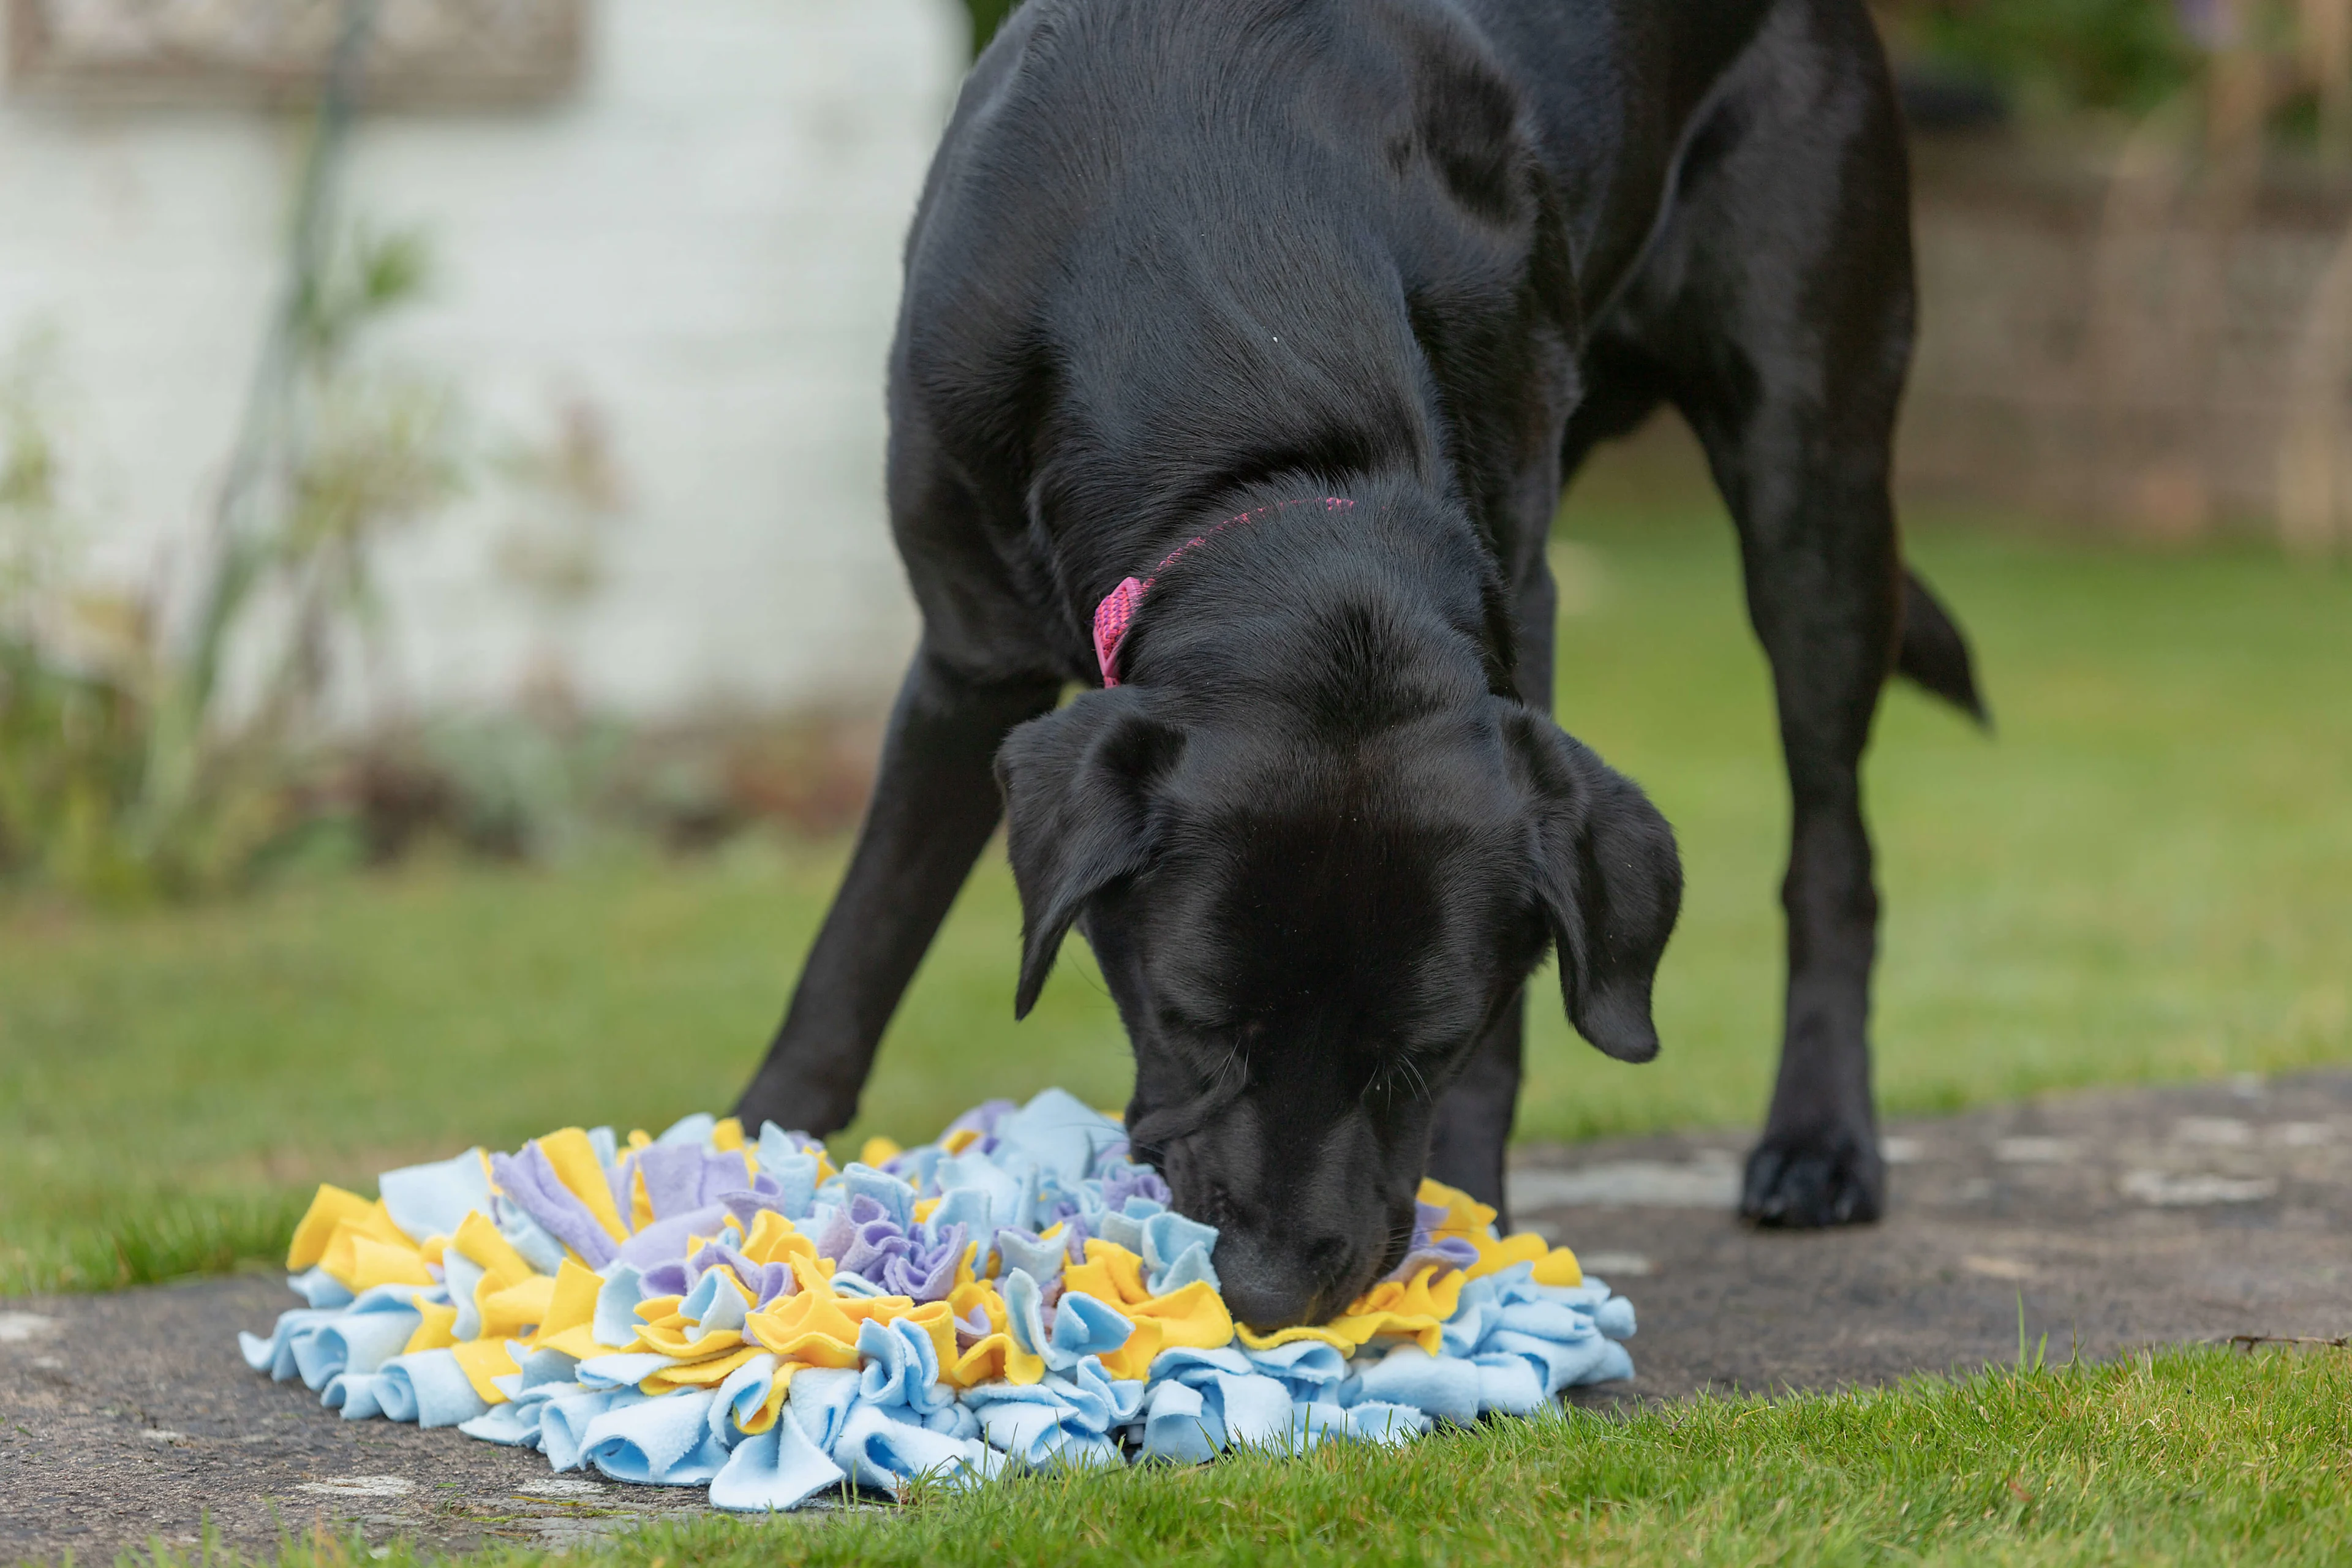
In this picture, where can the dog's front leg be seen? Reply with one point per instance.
(1473, 1127)
(1473, 1130)
(934, 805)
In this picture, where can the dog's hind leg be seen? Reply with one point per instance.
(1781, 299)
(935, 802)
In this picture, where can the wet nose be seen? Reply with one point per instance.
(1275, 1283)
(1265, 1305)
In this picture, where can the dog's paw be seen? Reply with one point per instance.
(1821, 1179)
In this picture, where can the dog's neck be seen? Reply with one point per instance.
(1118, 609)
(1375, 600)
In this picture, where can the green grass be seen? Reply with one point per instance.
(2145, 873)
(2192, 1457)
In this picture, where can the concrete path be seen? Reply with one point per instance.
(2114, 1220)
(2117, 1220)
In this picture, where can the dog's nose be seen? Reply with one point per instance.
(1265, 1304)
(1273, 1283)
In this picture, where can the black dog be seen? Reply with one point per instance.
(1369, 278)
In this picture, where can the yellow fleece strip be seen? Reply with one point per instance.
(576, 1166)
(482, 1360)
(331, 1206)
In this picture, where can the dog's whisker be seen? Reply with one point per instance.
(1420, 1083)
(1236, 1066)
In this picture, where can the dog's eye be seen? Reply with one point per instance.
(1218, 1032)
(1177, 1025)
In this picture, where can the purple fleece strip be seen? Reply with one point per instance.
(529, 1181)
(672, 1174)
(867, 1242)
(667, 1238)
(765, 1193)
(675, 1277)
(1125, 1182)
(1453, 1252)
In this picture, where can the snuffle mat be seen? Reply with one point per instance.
(700, 1309)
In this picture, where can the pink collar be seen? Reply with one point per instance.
(1116, 612)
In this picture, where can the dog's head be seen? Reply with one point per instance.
(1306, 940)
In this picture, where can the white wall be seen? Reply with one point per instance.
(703, 241)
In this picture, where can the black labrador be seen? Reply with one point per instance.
(1246, 347)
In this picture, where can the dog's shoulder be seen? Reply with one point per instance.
(1213, 148)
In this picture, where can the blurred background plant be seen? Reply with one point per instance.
(237, 717)
(987, 16)
(546, 777)
(152, 753)
(130, 770)
(2068, 62)
(68, 729)
(568, 492)
(2051, 57)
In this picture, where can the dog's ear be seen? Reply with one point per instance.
(1077, 786)
(1607, 877)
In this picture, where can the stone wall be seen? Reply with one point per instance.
(2129, 342)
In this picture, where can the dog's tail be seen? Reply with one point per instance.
(1933, 651)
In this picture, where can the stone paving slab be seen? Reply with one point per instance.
(131, 1415)
(2111, 1221)
(2117, 1220)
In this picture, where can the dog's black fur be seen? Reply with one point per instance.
(1175, 261)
